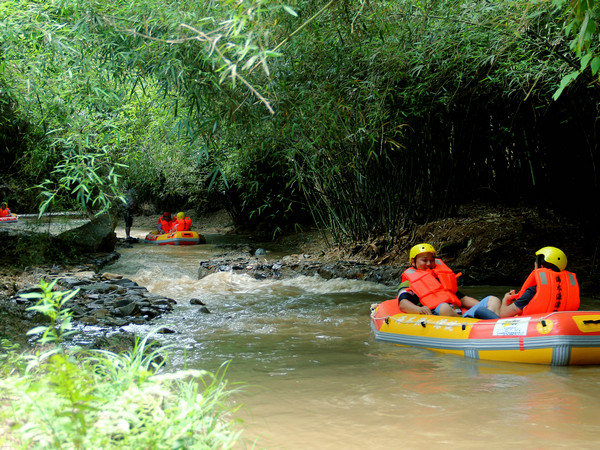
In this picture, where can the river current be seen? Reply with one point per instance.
(312, 376)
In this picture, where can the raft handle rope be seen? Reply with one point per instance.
(463, 326)
(480, 322)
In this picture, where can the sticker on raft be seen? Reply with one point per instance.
(511, 327)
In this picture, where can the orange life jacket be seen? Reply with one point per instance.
(184, 224)
(555, 291)
(433, 287)
(4, 212)
(165, 224)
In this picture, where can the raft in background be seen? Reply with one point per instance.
(9, 219)
(175, 238)
(558, 338)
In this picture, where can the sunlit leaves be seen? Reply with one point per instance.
(581, 18)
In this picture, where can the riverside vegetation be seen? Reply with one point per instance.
(74, 398)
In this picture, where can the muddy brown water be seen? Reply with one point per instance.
(314, 377)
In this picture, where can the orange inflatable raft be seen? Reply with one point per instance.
(558, 338)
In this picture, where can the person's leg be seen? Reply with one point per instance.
(445, 309)
(493, 304)
(482, 309)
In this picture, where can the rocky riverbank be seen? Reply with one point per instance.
(302, 264)
(103, 301)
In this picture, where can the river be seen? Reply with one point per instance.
(312, 375)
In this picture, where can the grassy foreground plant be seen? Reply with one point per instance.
(69, 398)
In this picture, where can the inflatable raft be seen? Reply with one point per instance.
(175, 238)
(9, 219)
(558, 338)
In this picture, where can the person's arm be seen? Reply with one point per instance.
(407, 302)
(409, 307)
(509, 309)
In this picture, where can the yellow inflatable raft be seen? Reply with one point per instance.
(558, 338)
(175, 238)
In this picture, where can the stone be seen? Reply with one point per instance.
(98, 235)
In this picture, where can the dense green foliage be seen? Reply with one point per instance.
(71, 398)
(396, 112)
(374, 115)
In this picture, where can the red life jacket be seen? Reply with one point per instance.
(184, 224)
(4, 212)
(555, 291)
(433, 287)
(165, 224)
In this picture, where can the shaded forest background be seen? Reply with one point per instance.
(362, 117)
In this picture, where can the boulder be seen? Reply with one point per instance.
(98, 235)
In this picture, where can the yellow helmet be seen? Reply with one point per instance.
(180, 215)
(421, 248)
(554, 256)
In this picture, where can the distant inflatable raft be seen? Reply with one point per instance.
(175, 238)
(558, 338)
(8, 219)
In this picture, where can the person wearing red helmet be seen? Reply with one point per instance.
(165, 223)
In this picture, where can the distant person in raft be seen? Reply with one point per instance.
(165, 222)
(4, 211)
(182, 223)
(429, 287)
(548, 288)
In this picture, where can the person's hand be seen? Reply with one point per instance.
(508, 295)
(425, 310)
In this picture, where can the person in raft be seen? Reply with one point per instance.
(182, 223)
(429, 287)
(548, 288)
(4, 211)
(165, 222)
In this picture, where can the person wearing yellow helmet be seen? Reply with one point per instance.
(182, 223)
(4, 210)
(429, 287)
(548, 288)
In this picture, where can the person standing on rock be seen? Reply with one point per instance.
(429, 287)
(130, 209)
(548, 288)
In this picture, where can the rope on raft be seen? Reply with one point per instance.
(480, 322)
